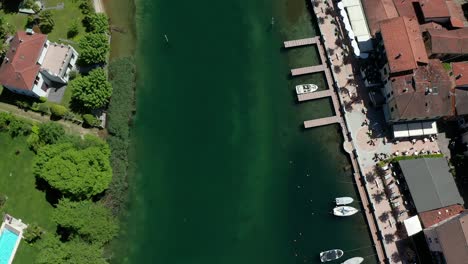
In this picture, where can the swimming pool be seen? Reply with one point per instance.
(8, 240)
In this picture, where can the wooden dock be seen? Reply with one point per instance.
(322, 121)
(300, 42)
(307, 70)
(314, 95)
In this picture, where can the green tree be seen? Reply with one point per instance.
(75, 217)
(46, 21)
(51, 132)
(94, 48)
(73, 30)
(92, 91)
(96, 23)
(19, 128)
(58, 110)
(52, 251)
(76, 173)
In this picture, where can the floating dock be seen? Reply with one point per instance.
(314, 95)
(322, 121)
(301, 42)
(307, 70)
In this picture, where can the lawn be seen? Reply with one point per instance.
(63, 19)
(19, 185)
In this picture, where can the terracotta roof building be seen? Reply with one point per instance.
(430, 218)
(33, 63)
(377, 11)
(403, 44)
(421, 95)
(460, 73)
(448, 240)
(446, 44)
(20, 68)
(434, 10)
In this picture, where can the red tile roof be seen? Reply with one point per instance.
(457, 18)
(448, 41)
(460, 71)
(411, 93)
(20, 68)
(377, 11)
(434, 8)
(430, 218)
(406, 8)
(403, 44)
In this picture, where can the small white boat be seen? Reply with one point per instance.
(330, 255)
(343, 200)
(355, 260)
(344, 210)
(306, 88)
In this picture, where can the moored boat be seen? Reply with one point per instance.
(306, 88)
(344, 211)
(355, 260)
(343, 200)
(330, 255)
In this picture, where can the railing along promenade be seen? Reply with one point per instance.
(349, 144)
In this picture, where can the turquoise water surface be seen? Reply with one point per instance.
(7, 244)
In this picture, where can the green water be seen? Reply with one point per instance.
(226, 174)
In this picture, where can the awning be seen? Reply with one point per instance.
(415, 129)
(412, 225)
(400, 130)
(430, 128)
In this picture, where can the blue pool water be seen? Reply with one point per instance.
(7, 244)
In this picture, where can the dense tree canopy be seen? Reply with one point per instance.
(96, 23)
(52, 251)
(92, 91)
(93, 48)
(77, 173)
(81, 219)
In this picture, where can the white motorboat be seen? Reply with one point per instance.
(343, 200)
(330, 255)
(306, 88)
(355, 260)
(344, 211)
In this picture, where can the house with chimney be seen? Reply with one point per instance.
(33, 65)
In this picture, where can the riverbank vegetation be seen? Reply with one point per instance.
(122, 75)
(70, 173)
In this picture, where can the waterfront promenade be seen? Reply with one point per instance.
(365, 127)
(327, 29)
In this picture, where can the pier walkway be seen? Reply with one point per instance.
(322, 121)
(301, 42)
(314, 95)
(307, 70)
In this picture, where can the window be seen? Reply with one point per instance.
(436, 240)
(391, 109)
(429, 239)
(385, 70)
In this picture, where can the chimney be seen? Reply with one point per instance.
(458, 76)
(21, 40)
(398, 56)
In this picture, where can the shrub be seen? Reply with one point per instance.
(34, 142)
(85, 7)
(46, 21)
(3, 200)
(73, 30)
(22, 104)
(43, 109)
(72, 75)
(90, 120)
(50, 132)
(58, 110)
(32, 233)
(5, 119)
(18, 128)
